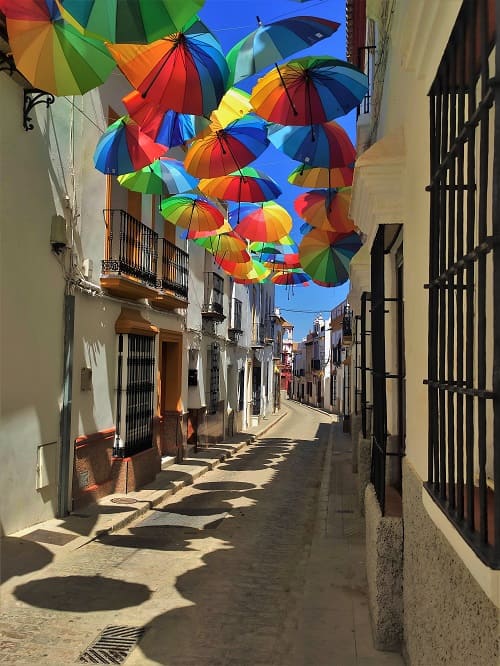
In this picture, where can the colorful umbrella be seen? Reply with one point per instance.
(123, 148)
(322, 145)
(130, 21)
(290, 277)
(251, 270)
(248, 184)
(326, 209)
(281, 261)
(52, 54)
(222, 150)
(309, 90)
(267, 222)
(184, 72)
(165, 176)
(325, 256)
(276, 41)
(228, 247)
(224, 229)
(192, 212)
(170, 128)
(313, 177)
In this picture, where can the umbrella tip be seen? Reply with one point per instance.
(258, 20)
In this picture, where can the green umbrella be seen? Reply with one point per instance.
(165, 176)
(130, 21)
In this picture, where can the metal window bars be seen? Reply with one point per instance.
(174, 275)
(464, 282)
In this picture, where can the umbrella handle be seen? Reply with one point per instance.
(295, 112)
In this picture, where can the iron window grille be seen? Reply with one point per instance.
(131, 249)
(236, 310)
(365, 377)
(464, 282)
(214, 294)
(357, 363)
(241, 390)
(213, 385)
(138, 387)
(174, 269)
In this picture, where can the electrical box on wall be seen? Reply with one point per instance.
(192, 377)
(46, 465)
(86, 379)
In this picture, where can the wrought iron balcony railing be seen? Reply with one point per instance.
(235, 322)
(213, 305)
(174, 265)
(131, 249)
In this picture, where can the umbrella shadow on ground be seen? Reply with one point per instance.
(82, 594)
(20, 556)
(259, 457)
(246, 581)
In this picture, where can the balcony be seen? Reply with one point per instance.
(315, 364)
(213, 308)
(235, 327)
(257, 335)
(129, 269)
(173, 277)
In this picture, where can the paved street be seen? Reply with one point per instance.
(219, 575)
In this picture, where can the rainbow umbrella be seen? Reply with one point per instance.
(290, 277)
(185, 71)
(325, 255)
(170, 128)
(320, 177)
(314, 89)
(123, 148)
(165, 176)
(326, 209)
(222, 150)
(248, 184)
(130, 21)
(267, 222)
(281, 261)
(235, 103)
(192, 212)
(51, 53)
(225, 228)
(324, 145)
(251, 270)
(276, 41)
(226, 246)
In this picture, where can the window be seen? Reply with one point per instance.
(464, 284)
(213, 378)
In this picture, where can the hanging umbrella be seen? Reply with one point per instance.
(326, 209)
(130, 21)
(165, 176)
(290, 277)
(321, 145)
(123, 148)
(184, 72)
(234, 104)
(325, 256)
(281, 261)
(268, 222)
(225, 228)
(250, 270)
(51, 53)
(276, 41)
(192, 212)
(226, 246)
(314, 177)
(309, 90)
(170, 128)
(222, 150)
(248, 184)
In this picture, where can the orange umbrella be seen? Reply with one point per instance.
(267, 222)
(327, 210)
(225, 246)
(314, 177)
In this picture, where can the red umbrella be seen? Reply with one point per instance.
(326, 209)
(248, 184)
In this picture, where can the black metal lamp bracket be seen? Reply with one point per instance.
(7, 63)
(32, 97)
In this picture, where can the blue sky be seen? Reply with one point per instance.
(230, 21)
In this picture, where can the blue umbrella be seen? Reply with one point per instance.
(164, 176)
(275, 41)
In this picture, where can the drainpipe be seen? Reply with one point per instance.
(63, 507)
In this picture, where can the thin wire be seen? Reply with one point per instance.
(84, 114)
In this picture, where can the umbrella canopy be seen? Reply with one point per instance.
(290, 277)
(322, 145)
(51, 53)
(165, 176)
(234, 104)
(276, 41)
(192, 212)
(170, 128)
(248, 184)
(281, 261)
(267, 222)
(184, 72)
(325, 256)
(250, 270)
(222, 150)
(130, 21)
(224, 229)
(228, 247)
(123, 148)
(309, 90)
(314, 177)
(326, 209)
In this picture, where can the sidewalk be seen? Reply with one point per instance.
(22, 551)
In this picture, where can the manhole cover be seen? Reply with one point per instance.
(124, 500)
(46, 536)
(113, 645)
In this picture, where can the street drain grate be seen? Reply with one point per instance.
(113, 645)
(123, 500)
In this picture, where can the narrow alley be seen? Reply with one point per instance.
(260, 562)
